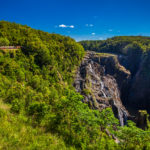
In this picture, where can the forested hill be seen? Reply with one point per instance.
(39, 107)
(119, 44)
(47, 49)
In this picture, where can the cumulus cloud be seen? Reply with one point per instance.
(66, 26)
(72, 26)
(89, 25)
(62, 26)
(93, 33)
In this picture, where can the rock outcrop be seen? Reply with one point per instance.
(142, 119)
(101, 80)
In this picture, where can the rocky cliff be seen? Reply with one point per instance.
(117, 81)
(136, 96)
(101, 80)
(140, 88)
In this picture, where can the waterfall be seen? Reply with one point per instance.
(125, 117)
(122, 115)
(102, 89)
(90, 68)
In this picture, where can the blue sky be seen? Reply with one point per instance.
(81, 19)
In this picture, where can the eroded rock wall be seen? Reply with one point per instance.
(100, 78)
(139, 95)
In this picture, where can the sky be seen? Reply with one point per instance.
(81, 19)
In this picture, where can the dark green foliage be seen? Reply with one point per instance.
(38, 110)
(134, 138)
(119, 45)
(17, 105)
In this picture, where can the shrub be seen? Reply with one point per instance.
(4, 41)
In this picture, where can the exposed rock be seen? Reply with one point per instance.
(142, 119)
(140, 88)
(101, 78)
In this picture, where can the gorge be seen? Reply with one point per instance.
(110, 80)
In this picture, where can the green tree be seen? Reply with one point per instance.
(4, 41)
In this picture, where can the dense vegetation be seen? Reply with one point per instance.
(39, 108)
(120, 44)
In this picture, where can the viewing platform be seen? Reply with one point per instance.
(10, 48)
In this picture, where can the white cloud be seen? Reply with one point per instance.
(93, 33)
(72, 26)
(62, 26)
(89, 25)
(66, 26)
(101, 38)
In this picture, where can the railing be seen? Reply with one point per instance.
(10, 47)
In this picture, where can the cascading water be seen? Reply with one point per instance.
(102, 89)
(122, 114)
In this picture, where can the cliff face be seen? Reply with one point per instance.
(101, 80)
(136, 95)
(117, 81)
(140, 87)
